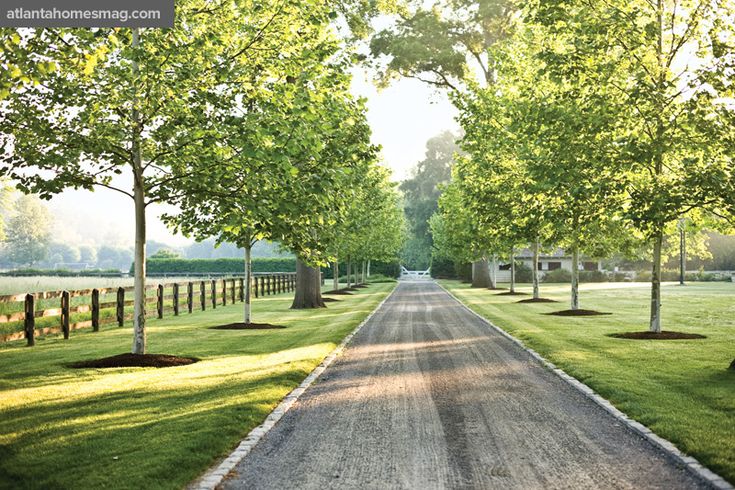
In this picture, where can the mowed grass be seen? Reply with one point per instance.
(680, 389)
(157, 428)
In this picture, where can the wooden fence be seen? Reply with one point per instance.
(94, 307)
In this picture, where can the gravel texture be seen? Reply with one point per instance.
(429, 396)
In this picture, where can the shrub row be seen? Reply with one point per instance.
(62, 273)
(231, 266)
(227, 266)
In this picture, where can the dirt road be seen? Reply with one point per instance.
(428, 396)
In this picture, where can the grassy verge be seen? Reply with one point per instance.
(680, 389)
(157, 428)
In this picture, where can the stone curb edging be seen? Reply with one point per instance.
(690, 463)
(215, 475)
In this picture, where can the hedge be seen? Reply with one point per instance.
(218, 266)
(230, 265)
(63, 273)
(388, 269)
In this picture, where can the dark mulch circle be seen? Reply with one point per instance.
(514, 293)
(360, 286)
(663, 335)
(580, 312)
(330, 300)
(497, 289)
(339, 291)
(135, 360)
(538, 300)
(247, 326)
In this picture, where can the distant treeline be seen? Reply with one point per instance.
(234, 266)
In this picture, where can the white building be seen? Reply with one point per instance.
(557, 259)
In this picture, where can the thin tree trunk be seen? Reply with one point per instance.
(655, 324)
(248, 287)
(368, 268)
(335, 273)
(512, 270)
(308, 287)
(534, 270)
(480, 273)
(139, 336)
(682, 253)
(362, 273)
(575, 276)
(349, 271)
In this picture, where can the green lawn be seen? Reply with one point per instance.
(681, 389)
(157, 428)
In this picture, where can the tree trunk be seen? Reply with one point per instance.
(308, 287)
(575, 277)
(655, 324)
(512, 270)
(349, 271)
(534, 270)
(139, 337)
(493, 273)
(364, 279)
(682, 253)
(248, 287)
(368, 268)
(480, 273)
(335, 273)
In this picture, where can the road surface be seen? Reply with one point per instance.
(428, 396)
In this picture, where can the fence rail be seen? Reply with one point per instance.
(111, 305)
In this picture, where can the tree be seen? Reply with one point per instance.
(421, 195)
(137, 102)
(28, 232)
(638, 53)
(87, 254)
(448, 47)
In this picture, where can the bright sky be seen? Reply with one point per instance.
(402, 118)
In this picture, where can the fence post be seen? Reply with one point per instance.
(267, 279)
(190, 296)
(96, 310)
(160, 301)
(293, 282)
(176, 299)
(30, 320)
(224, 292)
(203, 295)
(232, 291)
(214, 293)
(65, 314)
(120, 306)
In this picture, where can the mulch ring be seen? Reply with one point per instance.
(246, 326)
(663, 335)
(512, 293)
(538, 300)
(135, 360)
(579, 312)
(498, 289)
(330, 300)
(339, 291)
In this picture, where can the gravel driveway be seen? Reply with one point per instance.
(428, 396)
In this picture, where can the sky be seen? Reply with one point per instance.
(402, 117)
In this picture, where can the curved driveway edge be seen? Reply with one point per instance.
(214, 476)
(694, 466)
